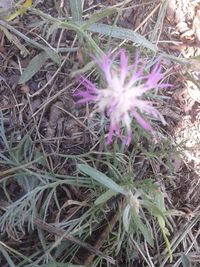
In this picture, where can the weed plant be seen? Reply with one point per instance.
(105, 206)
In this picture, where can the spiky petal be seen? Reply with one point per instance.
(123, 98)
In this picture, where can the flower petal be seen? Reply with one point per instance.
(123, 66)
(88, 84)
(124, 95)
(144, 124)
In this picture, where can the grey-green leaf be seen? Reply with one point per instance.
(185, 261)
(98, 16)
(123, 34)
(53, 55)
(102, 178)
(12, 38)
(33, 67)
(126, 218)
(76, 9)
(104, 197)
(142, 227)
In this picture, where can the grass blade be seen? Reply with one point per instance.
(13, 39)
(76, 9)
(33, 67)
(142, 227)
(104, 197)
(98, 16)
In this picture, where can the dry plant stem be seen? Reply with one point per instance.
(44, 87)
(159, 32)
(67, 56)
(38, 132)
(16, 105)
(52, 98)
(103, 235)
(188, 249)
(46, 42)
(54, 230)
(2, 107)
(135, 5)
(139, 249)
(7, 172)
(42, 113)
(148, 254)
(77, 120)
(147, 18)
(50, 80)
(159, 23)
(51, 90)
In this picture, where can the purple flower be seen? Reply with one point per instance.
(124, 94)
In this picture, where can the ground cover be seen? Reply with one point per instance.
(68, 197)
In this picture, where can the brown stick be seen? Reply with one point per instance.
(59, 232)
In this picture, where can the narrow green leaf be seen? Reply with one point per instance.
(154, 209)
(83, 34)
(123, 34)
(165, 233)
(126, 217)
(89, 66)
(185, 261)
(51, 29)
(76, 9)
(160, 202)
(98, 16)
(33, 67)
(104, 197)
(142, 227)
(13, 39)
(101, 178)
(53, 55)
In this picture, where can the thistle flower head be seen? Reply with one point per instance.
(123, 97)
